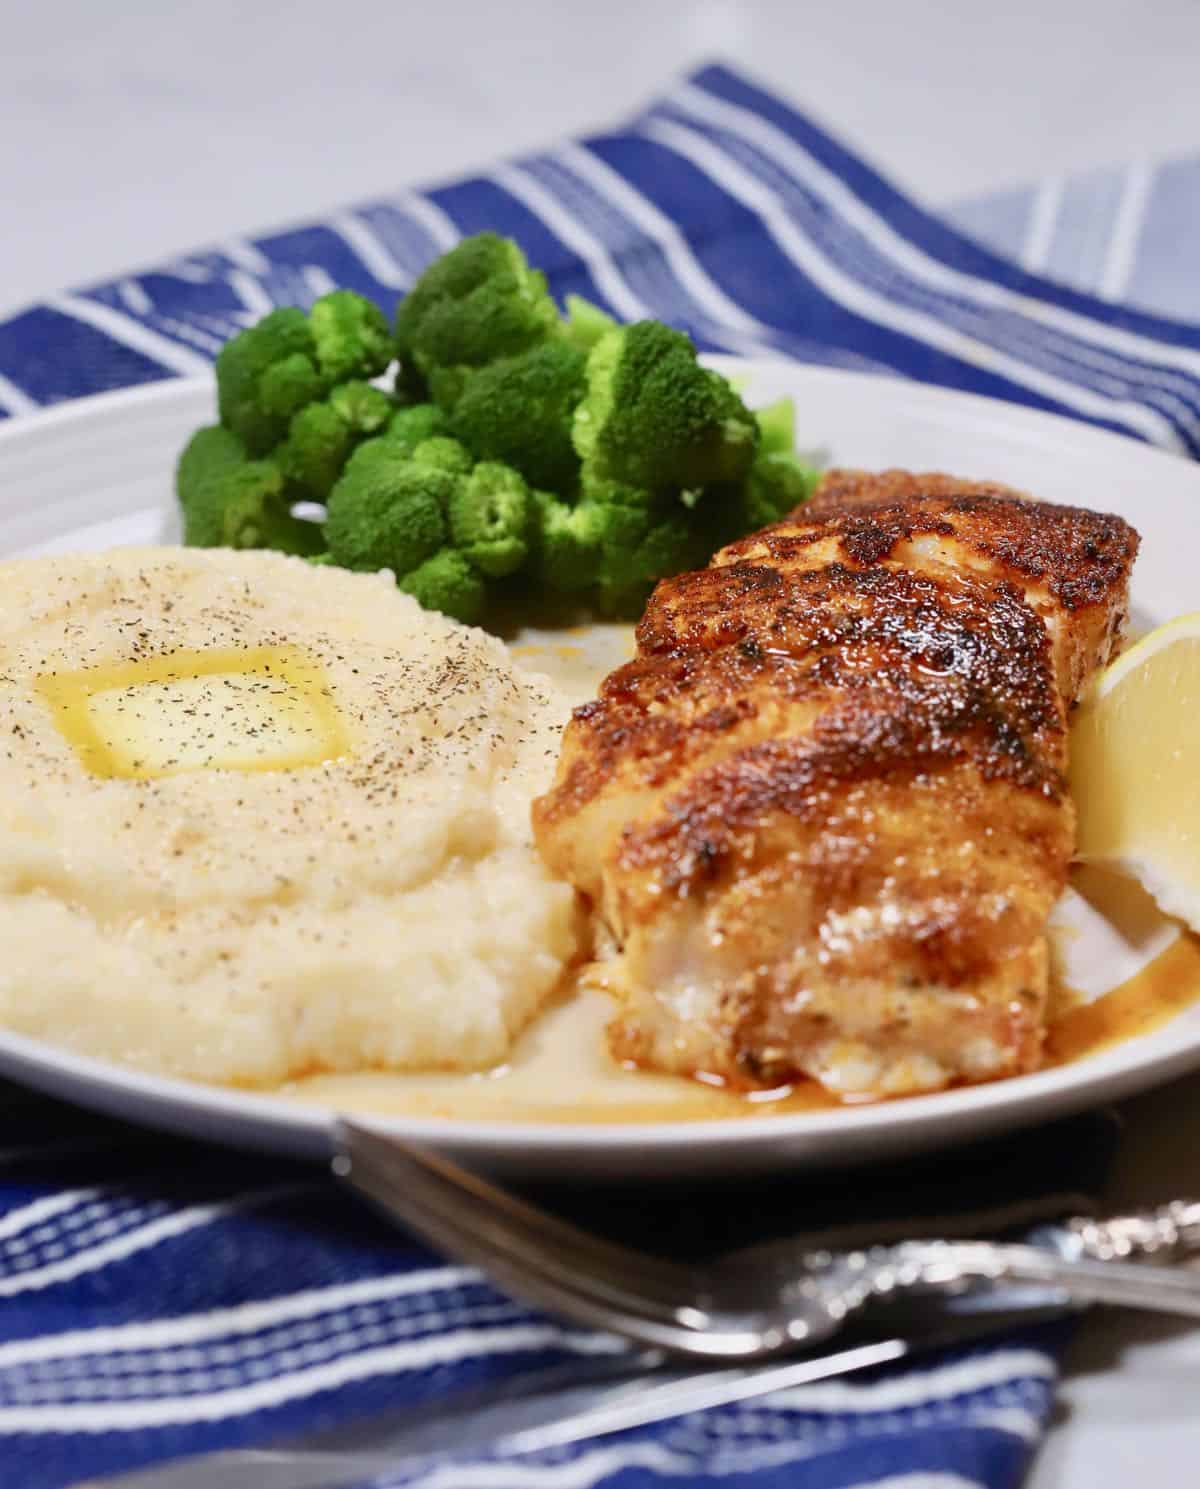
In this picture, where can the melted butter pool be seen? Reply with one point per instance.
(258, 709)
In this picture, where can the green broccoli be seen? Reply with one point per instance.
(613, 543)
(321, 436)
(420, 421)
(490, 513)
(654, 419)
(645, 536)
(443, 453)
(271, 370)
(440, 525)
(352, 337)
(566, 542)
(475, 304)
(518, 410)
(265, 375)
(385, 512)
(586, 323)
(776, 484)
(517, 451)
(776, 427)
(230, 501)
(448, 583)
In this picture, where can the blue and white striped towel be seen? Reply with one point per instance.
(160, 1300)
(723, 210)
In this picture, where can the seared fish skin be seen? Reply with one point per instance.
(1071, 564)
(822, 813)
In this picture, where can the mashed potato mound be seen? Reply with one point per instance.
(260, 819)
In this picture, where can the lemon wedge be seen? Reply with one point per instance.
(1135, 767)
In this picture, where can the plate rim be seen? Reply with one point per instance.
(1112, 1071)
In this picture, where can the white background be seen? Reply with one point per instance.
(132, 130)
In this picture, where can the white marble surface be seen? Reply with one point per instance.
(134, 129)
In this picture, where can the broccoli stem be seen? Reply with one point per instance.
(586, 323)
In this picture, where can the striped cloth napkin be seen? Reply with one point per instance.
(722, 210)
(161, 1299)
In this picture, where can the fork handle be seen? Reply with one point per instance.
(1157, 1289)
(1165, 1233)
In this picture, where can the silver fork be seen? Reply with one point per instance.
(753, 1304)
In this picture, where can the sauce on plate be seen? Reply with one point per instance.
(561, 1070)
(1163, 988)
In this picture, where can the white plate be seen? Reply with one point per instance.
(98, 473)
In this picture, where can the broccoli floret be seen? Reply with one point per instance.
(351, 335)
(613, 544)
(653, 418)
(566, 542)
(626, 516)
(264, 375)
(448, 583)
(490, 513)
(315, 450)
(587, 456)
(444, 453)
(518, 410)
(645, 537)
(586, 323)
(410, 426)
(386, 512)
(389, 511)
(672, 544)
(271, 370)
(321, 436)
(777, 484)
(475, 304)
(231, 501)
(364, 408)
(209, 459)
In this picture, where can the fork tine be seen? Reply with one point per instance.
(555, 1292)
(647, 1275)
(527, 1270)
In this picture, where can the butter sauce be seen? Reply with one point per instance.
(1163, 988)
(560, 1070)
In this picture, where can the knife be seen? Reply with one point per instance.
(553, 1409)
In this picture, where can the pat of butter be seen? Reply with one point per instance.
(264, 708)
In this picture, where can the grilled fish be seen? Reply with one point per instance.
(822, 813)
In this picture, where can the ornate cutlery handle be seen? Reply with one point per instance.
(1083, 1279)
(1165, 1233)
